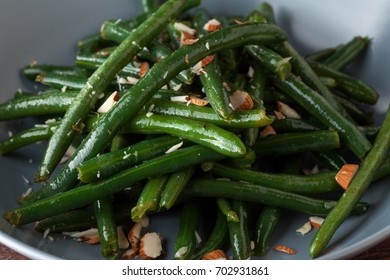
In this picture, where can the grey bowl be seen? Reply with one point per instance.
(47, 30)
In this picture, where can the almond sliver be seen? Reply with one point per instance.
(345, 175)
(285, 249)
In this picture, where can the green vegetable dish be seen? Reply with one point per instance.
(216, 120)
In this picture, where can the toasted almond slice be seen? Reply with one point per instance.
(285, 249)
(198, 101)
(287, 110)
(316, 222)
(207, 60)
(109, 103)
(185, 38)
(91, 239)
(122, 240)
(189, 41)
(174, 147)
(267, 131)
(129, 254)
(145, 221)
(180, 98)
(78, 234)
(181, 252)
(279, 115)
(181, 27)
(144, 68)
(306, 228)
(345, 175)
(215, 255)
(212, 25)
(241, 100)
(239, 22)
(151, 246)
(134, 236)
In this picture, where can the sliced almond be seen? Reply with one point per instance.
(181, 27)
(189, 41)
(241, 100)
(316, 222)
(181, 252)
(285, 249)
(144, 68)
(186, 38)
(306, 228)
(212, 25)
(122, 240)
(91, 239)
(279, 115)
(109, 103)
(207, 60)
(78, 234)
(215, 255)
(345, 175)
(239, 22)
(150, 246)
(287, 110)
(267, 131)
(129, 254)
(198, 101)
(174, 148)
(180, 98)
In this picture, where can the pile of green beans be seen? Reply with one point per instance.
(175, 137)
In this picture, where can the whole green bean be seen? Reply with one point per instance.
(239, 232)
(259, 194)
(241, 118)
(356, 189)
(86, 194)
(302, 184)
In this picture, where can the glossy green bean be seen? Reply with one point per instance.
(355, 191)
(186, 241)
(302, 184)
(241, 119)
(267, 196)
(239, 232)
(86, 194)
(289, 143)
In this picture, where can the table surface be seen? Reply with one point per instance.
(379, 252)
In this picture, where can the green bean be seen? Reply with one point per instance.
(225, 207)
(328, 82)
(289, 143)
(36, 105)
(356, 189)
(100, 79)
(106, 225)
(358, 114)
(256, 88)
(239, 232)
(207, 134)
(331, 159)
(90, 43)
(216, 239)
(241, 118)
(244, 161)
(346, 53)
(59, 81)
(150, 197)
(186, 241)
(317, 106)
(176, 183)
(32, 71)
(301, 184)
(322, 54)
(81, 219)
(349, 85)
(105, 216)
(259, 194)
(271, 60)
(265, 226)
(27, 136)
(211, 77)
(86, 194)
(105, 165)
(296, 125)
